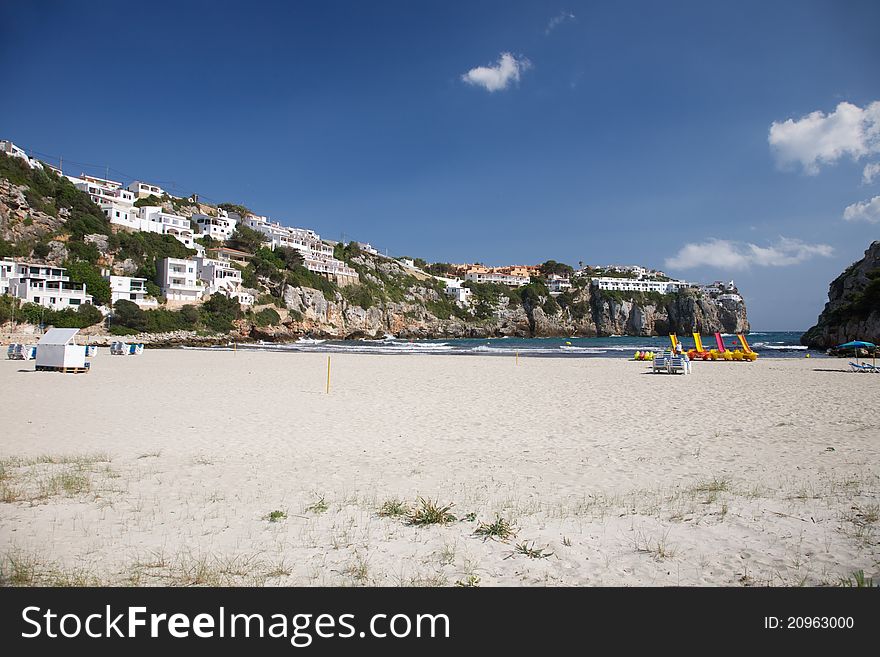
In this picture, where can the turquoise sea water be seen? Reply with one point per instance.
(767, 344)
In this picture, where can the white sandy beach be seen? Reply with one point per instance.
(163, 468)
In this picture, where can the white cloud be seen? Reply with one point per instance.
(871, 173)
(820, 138)
(864, 211)
(728, 254)
(500, 76)
(558, 20)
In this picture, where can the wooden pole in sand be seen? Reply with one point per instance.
(517, 357)
(328, 375)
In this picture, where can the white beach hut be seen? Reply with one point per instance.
(57, 350)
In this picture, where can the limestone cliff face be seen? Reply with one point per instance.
(591, 314)
(853, 308)
(19, 222)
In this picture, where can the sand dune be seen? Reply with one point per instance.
(164, 469)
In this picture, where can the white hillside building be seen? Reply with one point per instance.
(178, 279)
(14, 151)
(638, 285)
(220, 227)
(7, 272)
(558, 284)
(43, 285)
(496, 277)
(153, 219)
(217, 275)
(457, 290)
(131, 289)
(317, 254)
(143, 190)
(220, 276)
(115, 201)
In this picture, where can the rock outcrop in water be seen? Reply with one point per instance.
(853, 308)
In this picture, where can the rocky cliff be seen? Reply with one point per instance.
(44, 218)
(585, 312)
(853, 308)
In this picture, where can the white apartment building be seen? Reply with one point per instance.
(317, 254)
(217, 274)
(718, 287)
(11, 269)
(228, 255)
(243, 297)
(56, 295)
(7, 271)
(493, 277)
(178, 279)
(638, 285)
(366, 247)
(115, 201)
(330, 267)
(456, 290)
(143, 190)
(461, 295)
(14, 151)
(153, 219)
(220, 227)
(558, 284)
(627, 269)
(274, 232)
(131, 289)
(43, 285)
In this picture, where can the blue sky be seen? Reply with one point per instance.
(609, 132)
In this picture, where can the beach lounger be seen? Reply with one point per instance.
(19, 351)
(660, 364)
(680, 364)
(118, 349)
(135, 349)
(864, 367)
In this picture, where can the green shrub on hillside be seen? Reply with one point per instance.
(550, 306)
(240, 210)
(82, 251)
(218, 313)
(49, 192)
(19, 249)
(365, 294)
(81, 271)
(152, 201)
(265, 299)
(85, 315)
(301, 277)
(30, 313)
(558, 268)
(246, 239)
(267, 317)
(146, 248)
